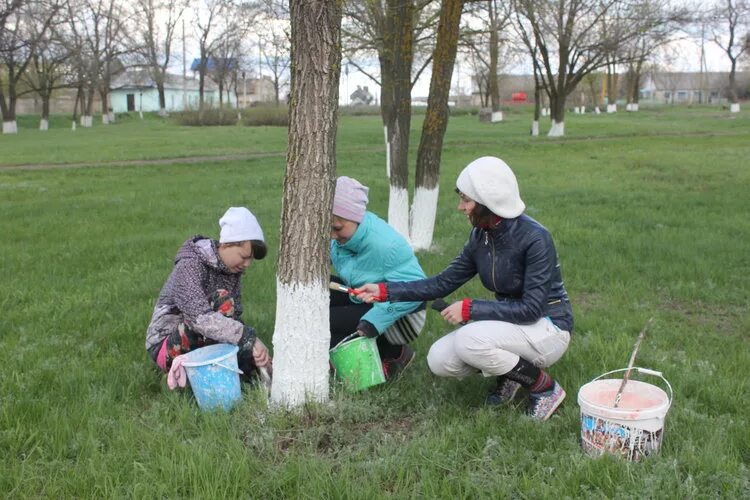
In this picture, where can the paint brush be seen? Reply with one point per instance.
(338, 287)
(626, 377)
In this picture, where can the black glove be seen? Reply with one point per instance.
(247, 340)
(367, 328)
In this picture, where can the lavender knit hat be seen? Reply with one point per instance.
(350, 199)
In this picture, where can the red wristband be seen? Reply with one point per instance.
(466, 310)
(383, 292)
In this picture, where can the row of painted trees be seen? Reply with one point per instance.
(47, 45)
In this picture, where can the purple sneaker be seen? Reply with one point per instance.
(543, 404)
(505, 391)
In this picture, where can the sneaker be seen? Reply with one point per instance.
(394, 367)
(505, 391)
(543, 404)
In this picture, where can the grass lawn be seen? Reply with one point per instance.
(650, 215)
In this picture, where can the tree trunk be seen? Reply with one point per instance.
(395, 98)
(434, 125)
(44, 122)
(8, 109)
(494, 90)
(611, 89)
(301, 340)
(162, 99)
(557, 107)
(537, 103)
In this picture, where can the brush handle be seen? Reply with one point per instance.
(626, 377)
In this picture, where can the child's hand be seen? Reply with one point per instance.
(260, 354)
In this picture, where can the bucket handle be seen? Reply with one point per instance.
(644, 371)
(230, 368)
(346, 339)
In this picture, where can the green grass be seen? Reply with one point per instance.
(650, 216)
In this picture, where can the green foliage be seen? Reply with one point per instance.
(270, 116)
(210, 117)
(649, 214)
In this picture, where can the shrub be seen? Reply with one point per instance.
(267, 115)
(209, 117)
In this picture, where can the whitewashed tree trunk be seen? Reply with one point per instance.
(634, 107)
(557, 129)
(301, 339)
(105, 119)
(398, 210)
(497, 116)
(597, 110)
(734, 107)
(10, 127)
(73, 126)
(611, 108)
(583, 110)
(535, 128)
(111, 117)
(87, 121)
(140, 114)
(43, 124)
(163, 112)
(424, 210)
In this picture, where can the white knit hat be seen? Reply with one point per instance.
(491, 182)
(239, 224)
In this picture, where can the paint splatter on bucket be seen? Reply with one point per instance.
(633, 430)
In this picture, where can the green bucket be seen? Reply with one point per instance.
(357, 363)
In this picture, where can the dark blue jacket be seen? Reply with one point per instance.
(517, 261)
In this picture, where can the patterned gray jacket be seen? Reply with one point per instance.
(198, 272)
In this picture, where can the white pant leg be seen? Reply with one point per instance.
(495, 346)
(444, 362)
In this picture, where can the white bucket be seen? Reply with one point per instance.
(635, 428)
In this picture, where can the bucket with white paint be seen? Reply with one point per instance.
(635, 428)
(214, 376)
(357, 362)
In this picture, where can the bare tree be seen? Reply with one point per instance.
(156, 23)
(49, 68)
(435, 123)
(392, 29)
(23, 26)
(729, 18)
(301, 340)
(208, 15)
(570, 44)
(274, 51)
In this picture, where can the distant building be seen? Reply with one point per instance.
(136, 91)
(254, 91)
(692, 88)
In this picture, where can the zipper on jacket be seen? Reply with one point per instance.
(493, 266)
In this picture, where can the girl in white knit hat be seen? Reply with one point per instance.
(527, 327)
(201, 302)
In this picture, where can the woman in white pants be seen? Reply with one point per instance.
(527, 327)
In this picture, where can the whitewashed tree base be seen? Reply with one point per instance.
(111, 117)
(734, 107)
(422, 217)
(557, 130)
(10, 127)
(163, 113)
(597, 110)
(300, 345)
(582, 110)
(535, 128)
(398, 211)
(497, 116)
(87, 121)
(611, 108)
(73, 126)
(140, 113)
(43, 124)
(105, 119)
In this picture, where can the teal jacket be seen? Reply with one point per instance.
(376, 253)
